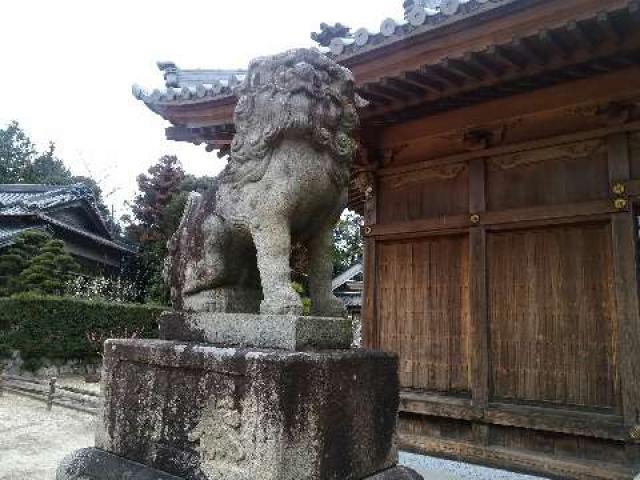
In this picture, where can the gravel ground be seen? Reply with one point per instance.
(439, 469)
(33, 441)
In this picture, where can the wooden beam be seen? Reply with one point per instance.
(613, 86)
(548, 419)
(499, 457)
(512, 218)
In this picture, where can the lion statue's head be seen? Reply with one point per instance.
(299, 93)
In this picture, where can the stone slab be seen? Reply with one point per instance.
(204, 412)
(287, 332)
(95, 464)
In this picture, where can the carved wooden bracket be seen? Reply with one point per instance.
(389, 154)
(483, 138)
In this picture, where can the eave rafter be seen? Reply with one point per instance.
(607, 41)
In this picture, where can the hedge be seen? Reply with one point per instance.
(57, 328)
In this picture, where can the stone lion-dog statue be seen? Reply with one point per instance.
(286, 181)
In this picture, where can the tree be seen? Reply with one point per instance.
(17, 258)
(20, 162)
(347, 241)
(49, 271)
(157, 210)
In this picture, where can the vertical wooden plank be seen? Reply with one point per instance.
(477, 185)
(368, 317)
(370, 324)
(618, 158)
(623, 233)
(478, 298)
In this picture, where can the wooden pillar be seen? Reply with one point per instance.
(623, 231)
(478, 295)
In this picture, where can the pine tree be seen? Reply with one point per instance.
(49, 271)
(17, 257)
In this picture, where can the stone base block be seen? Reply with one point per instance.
(94, 464)
(287, 332)
(202, 412)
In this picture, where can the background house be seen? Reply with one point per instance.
(348, 287)
(68, 213)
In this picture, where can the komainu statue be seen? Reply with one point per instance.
(286, 181)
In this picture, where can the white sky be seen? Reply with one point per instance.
(67, 66)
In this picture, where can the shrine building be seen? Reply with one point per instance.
(499, 178)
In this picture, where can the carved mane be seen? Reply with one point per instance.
(297, 93)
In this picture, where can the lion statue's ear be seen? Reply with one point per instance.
(360, 102)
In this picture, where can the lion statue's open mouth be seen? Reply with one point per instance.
(286, 181)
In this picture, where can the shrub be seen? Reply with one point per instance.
(50, 270)
(17, 257)
(62, 328)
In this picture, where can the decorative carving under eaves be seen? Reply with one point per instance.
(611, 114)
(329, 32)
(530, 157)
(447, 172)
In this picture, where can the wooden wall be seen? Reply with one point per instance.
(507, 285)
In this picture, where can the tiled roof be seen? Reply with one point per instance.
(346, 276)
(190, 86)
(19, 202)
(23, 199)
(420, 16)
(9, 232)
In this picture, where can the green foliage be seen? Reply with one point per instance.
(347, 241)
(15, 259)
(49, 271)
(62, 328)
(306, 301)
(20, 162)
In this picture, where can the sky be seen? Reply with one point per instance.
(67, 67)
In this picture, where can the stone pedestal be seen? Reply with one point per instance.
(195, 411)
